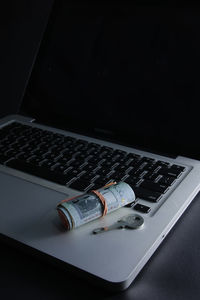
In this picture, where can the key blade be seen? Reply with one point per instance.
(118, 225)
(99, 230)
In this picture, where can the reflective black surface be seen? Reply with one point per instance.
(124, 70)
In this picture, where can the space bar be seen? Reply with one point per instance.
(37, 171)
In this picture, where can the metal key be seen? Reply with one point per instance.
(132, 221)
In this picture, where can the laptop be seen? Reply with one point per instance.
(109, 98)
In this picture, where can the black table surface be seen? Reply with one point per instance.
(173, 272)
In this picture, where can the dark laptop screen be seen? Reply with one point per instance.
(126, 72)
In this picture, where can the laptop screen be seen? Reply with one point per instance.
(125, 72)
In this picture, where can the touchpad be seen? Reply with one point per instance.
(27, 208)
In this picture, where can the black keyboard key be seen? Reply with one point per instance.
(157, 187)
(101, 181)
(76, 163)
(178, 168)
(122, 168)
(131, 180)
(167, 180)
(5, 143)
(148, 195)
(139, 173)
(151, 167)
(106, 149)
(120, 152)
(60, 168)
(162, 163)
(88, 176)
(117, 176)
(74, 172)
(170, 172)
(38, 171)
(134, 156)
(123, 161)
(88, 167)
(35, 160)
(103, 171)
(95, 160)
(24, 156)
(152, 176)
(79, 185)
(108, 164)
(142, 208)
(10, 153)
(40, 152)
(63, 160)
(135, 163)
(48, 164)
(148, 160)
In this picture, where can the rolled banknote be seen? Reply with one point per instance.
(84, 208)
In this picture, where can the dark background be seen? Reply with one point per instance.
(21, 27)
(174, 270)
(133, 62)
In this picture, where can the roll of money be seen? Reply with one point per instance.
(84, 208)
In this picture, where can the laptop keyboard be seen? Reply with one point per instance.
(83, 165)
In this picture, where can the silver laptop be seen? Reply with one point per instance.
(100, 105)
